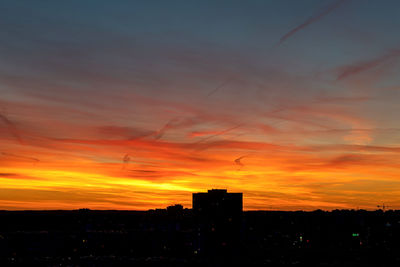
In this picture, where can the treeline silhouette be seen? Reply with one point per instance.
(176, 237)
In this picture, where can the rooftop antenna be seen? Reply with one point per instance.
(383, 206)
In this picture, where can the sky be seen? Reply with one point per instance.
(135, 105)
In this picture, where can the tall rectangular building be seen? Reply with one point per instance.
(219, 219)
(217, 202)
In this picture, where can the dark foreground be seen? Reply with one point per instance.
(178, 238)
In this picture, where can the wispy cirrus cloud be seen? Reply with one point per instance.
(12, 128)
(135, 112)
(20, 157)
(360, 67)
(314, 18)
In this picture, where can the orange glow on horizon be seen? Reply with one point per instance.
(103, 109)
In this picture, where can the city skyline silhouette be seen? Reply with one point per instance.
(216, 232)
(200, 133)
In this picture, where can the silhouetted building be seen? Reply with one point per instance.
(162, 238)
(219, 219)
(175, 209)
(217, 201)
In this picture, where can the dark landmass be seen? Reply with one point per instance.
(177, 237)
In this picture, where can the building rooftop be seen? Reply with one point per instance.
(217, 191)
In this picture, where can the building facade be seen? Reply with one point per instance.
(219, 219)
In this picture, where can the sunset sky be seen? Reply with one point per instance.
(138, 104)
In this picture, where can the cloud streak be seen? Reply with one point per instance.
(174, 123)
(239, 162)
(20, 157)
(136, 116)
(11, 127)
(357, 68)
(311, 20)
(219, 87)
